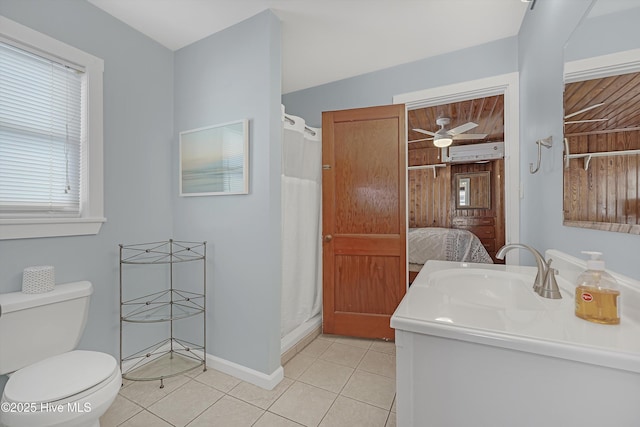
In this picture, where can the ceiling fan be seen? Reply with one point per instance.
(584, 110)
(443, 137)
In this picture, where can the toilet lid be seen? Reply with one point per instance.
(59, 376)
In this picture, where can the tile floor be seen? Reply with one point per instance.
(334, 381)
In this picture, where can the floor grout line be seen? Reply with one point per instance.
(314, 357)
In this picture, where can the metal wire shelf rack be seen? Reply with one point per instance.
(171, 356)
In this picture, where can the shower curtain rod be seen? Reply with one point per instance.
(306, 128)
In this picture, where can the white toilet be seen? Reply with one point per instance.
(50, 383)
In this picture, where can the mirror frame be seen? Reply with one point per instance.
(467, 178)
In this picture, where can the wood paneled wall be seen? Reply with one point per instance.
(496, 210)
(429, 197)
(432, 201)
(487, 224)
(609, 191)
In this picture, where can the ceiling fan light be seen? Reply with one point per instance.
(443, 141)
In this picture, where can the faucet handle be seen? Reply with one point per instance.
(538, 282)
(542, 277)
(550, 288)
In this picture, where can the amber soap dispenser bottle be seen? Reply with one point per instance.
(597, 293)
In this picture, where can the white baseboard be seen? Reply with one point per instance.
(294, 337)
(249, 375)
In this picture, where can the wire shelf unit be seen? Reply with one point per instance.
(171, 356)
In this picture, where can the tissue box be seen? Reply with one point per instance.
(38, 279)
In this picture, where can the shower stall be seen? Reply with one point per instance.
(301, 231)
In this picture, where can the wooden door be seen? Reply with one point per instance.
(364, 219)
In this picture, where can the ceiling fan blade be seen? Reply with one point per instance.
(462, 128)
(426, 132)
(420, 140)
(470, 136)
(591, 107)
(572, 122)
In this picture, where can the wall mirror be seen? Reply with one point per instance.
(473, 190)
(214, 160)
(602, 120)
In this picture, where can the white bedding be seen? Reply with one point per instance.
(445, 244)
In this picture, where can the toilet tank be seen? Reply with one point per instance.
(36, 326)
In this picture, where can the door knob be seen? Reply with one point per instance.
(328, 238)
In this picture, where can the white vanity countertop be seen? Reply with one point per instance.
(439, 304)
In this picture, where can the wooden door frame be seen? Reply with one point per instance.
(509, 86)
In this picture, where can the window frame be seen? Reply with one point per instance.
(92, 176)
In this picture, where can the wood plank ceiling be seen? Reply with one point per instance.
(620, 109)
(487, 112)
(619, 94)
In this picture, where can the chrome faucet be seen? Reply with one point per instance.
(545, 283)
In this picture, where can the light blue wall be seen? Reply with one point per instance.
(236, 74)
(378, 88)
(542, 38)
(538, 54)
(601, 35)
(233, 75)
(541, 87)
(138, 129)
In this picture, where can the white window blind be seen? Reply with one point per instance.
(41, 135)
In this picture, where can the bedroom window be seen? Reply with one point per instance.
(50, 136)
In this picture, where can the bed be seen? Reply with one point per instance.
(444, 244)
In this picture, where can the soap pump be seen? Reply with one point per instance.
(597, 293)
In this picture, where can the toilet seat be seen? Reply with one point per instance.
(83, 408)
(60, 377)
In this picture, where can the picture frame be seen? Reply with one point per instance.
(214, 160)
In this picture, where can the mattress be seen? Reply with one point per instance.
(445, 244)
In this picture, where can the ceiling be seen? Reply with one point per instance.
(329, 40)
(487, 113)
(618, 95)
(620, 109)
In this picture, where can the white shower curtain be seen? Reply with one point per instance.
(301, 223)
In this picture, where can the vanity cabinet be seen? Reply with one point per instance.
(155, 264)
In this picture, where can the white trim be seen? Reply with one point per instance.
(507, 84)
(48, 227)
(570, 268)
(294, 337)
(262, 380)
(92, 197)
(614, 64)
